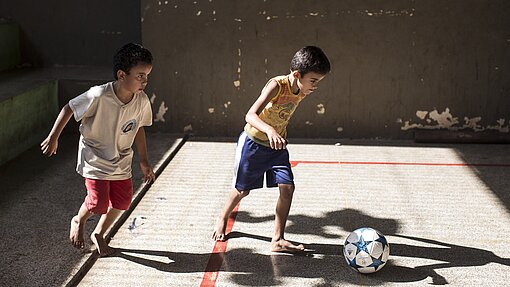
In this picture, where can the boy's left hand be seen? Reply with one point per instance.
(276, 141)
(148, 174)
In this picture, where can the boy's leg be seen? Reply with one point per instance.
(78, 227)
(234, 197)
(97, 235)
(278, 243)
(121, 193)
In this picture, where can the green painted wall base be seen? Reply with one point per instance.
(10, 55)
(25, 118)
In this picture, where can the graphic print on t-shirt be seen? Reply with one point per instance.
(128, 126)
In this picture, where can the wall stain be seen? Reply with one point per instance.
(160, 116)
(321, 109)
(445, 120)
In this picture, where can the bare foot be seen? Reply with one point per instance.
(283, 245)
(219, 231)
(102, 247)
(76, 233)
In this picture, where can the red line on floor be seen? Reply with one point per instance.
(216, 258)
(218, 254)
(295, 163)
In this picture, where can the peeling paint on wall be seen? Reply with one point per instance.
(161, 113)
(445, 120)
(472, 123)
(153, 98)
(188, 129)
(391, 13)
(420, 114)
(251, 25)
(237, 83)
(499, 127)
(409, 12)
(321, 109)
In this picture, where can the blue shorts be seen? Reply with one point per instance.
(254, 160)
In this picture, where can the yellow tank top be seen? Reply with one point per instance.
(277, 112)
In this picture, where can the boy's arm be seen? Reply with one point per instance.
(252, 117)
(50, 144)
(141, 149)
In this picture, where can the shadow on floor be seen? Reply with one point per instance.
(324, 261)
(38, 198)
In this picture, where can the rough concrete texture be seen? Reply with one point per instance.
(73, 33)
(396, 65)
(30, 99)
(25, 116)
(38, 198)
(9, 45)
(445, 210)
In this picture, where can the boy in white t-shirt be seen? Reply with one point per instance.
(112, 118)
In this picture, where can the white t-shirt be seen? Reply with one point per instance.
(108, 128)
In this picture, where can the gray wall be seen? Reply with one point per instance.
(73, 33)
(396, 65)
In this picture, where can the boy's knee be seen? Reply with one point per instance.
(243, 193)
(286, 189)
(96, 207)
(97, 200)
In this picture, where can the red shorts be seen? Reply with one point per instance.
(102, 194)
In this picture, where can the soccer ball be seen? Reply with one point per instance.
(366, 250)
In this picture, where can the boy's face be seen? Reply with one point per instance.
(137, 78)
(309, 82)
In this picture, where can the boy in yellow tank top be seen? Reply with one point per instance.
(261, 148)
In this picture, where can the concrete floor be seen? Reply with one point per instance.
(445, 210)
(38, 198)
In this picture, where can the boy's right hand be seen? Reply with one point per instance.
(49, 146)
(275, 140)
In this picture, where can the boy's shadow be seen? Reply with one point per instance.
(167, 261)
(346, 219)
(324, 261)
(244, 266)
(450, 255)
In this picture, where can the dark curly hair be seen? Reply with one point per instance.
(129, 56)
(310, 59)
